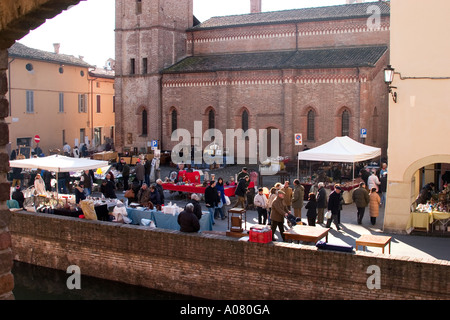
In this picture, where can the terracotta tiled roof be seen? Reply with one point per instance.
(21, 51)
(347, 57)
(349, 11)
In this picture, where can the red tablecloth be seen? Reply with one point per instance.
(229, 190)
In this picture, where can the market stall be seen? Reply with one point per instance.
(57, 164)
(434, 215)
(341, 149)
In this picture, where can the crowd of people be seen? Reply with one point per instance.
(281, 203)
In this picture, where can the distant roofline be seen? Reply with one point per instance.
(282, 65)
(289, 20)
(19, 50)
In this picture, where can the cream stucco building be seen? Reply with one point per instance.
(58, 97)
(418, 148)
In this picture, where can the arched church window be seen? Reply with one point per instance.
(311, 125)
(174, 120)
(211, 119)
(144, 123)
(245, 120)
(345, 123)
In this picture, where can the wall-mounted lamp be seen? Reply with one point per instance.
(388, 78)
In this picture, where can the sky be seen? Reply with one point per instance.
(87, 29)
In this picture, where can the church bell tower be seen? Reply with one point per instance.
(150, 36)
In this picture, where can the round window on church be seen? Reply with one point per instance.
(61, 70)
(82, 73)
(29, 67)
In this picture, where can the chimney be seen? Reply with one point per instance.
(56, 47)
(255, 6)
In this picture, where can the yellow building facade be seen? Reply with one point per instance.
(59, 98)
(418, 150)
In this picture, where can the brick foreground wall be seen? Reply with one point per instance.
(215, 267)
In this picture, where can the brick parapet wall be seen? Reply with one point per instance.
(216, 267)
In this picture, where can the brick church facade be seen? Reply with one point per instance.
(315, 71)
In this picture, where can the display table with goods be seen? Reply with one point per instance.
(167, 218)
(430, 216)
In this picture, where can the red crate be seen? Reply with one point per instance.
(260, 236)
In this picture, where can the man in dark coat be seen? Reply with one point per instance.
(212, 198)
(125, 174)
(242, 174)
(361, 199)
(334, 205)
(241, 190)
(187, 220)
(321, 199)
(155, 198)
(18, 196)
(197, 206)
(160, 189)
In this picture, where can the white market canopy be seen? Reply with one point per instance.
(58, 163)
(340, 149)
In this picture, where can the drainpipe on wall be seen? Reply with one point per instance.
(9, 84)
(359, 107)
(92, 107)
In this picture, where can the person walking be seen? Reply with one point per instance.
(374, 205)
(272, 197)
(288, 195)
(241, 191)
(260, 202)
(242, 174)
(361, 199)
(297, 198)
(278, 213)
(222, 202)
(383, 188)
(211, 199)
(140, 172)
(334, 205)
(311, 208)
(321, 198)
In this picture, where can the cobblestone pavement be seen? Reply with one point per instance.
(403, 245)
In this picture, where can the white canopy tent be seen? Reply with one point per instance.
(340, 149)
(57, 163)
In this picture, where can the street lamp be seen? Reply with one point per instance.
(388, 78)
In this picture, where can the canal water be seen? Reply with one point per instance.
(38, 283)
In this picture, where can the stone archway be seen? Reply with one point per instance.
(400, 194)
(17, 18)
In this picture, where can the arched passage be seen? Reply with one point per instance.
(18, 18)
